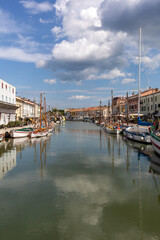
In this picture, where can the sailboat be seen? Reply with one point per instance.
(136, 133)
(113, 128)
(39, 132)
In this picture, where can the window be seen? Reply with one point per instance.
(13, 101)
(6, 99)
(9, 89)
(2, 98)
(151, 99)
(144, 100)
(148, 99)
(148, 108)
(12, 90)
(142, 109)
(10, 100)
(151, 107)
(155, 107)
(2, 84)
(6, 86)
(155, 98)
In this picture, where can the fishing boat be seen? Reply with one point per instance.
(38, 133)
(21, 132)
(41, 131)
(113, 129)
(137, 133)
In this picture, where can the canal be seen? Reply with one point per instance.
(80, 183)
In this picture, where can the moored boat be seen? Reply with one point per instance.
(155, 139)
(113, 129)
(38, 134)
(137, 134)
(19, 133)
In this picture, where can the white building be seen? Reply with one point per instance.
(7, 102)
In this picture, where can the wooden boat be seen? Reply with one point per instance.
(21, 132)
(41, 131)
(38, 133)
(113, 129)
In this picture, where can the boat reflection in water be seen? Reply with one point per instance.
(154, 169)
(80, 184)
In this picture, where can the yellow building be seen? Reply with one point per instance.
(27, 109)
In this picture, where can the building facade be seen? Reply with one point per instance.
(150, 103)
(27, 109)
(7, 102)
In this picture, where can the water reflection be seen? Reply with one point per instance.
(7, 158)
(81, 183)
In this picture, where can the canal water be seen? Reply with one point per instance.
(80, 183)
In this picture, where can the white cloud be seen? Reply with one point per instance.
(103, 88)
(50, 81)
(35, 8)
(57, 31)
(18, 54)
(7, 23)
(115, 73)
(128, 80)
(46, 21)
(79, 97)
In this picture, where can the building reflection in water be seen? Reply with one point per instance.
(7, 158)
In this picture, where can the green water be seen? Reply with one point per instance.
(78, 184)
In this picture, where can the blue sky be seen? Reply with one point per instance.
(76, 51)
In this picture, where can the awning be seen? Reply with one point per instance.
(158, 114)
(136, 114)
(9, 106)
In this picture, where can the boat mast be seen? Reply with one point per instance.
(45, 110)
(139, 71)
(112, 103)
(40, 111)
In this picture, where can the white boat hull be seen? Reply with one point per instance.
(155, 144)
(38, 134)
(138, 135)
(18, 134)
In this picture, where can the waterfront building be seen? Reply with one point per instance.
(27, 108)
(119, 107)
(107, 113)
(81, 113)
(7, 102)
(150, 102)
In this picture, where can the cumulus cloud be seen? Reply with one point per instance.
(100, 38)
(79, 97)
(50, 81)
(128, 80)
(35, 8)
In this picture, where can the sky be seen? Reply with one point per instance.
(77, 51)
